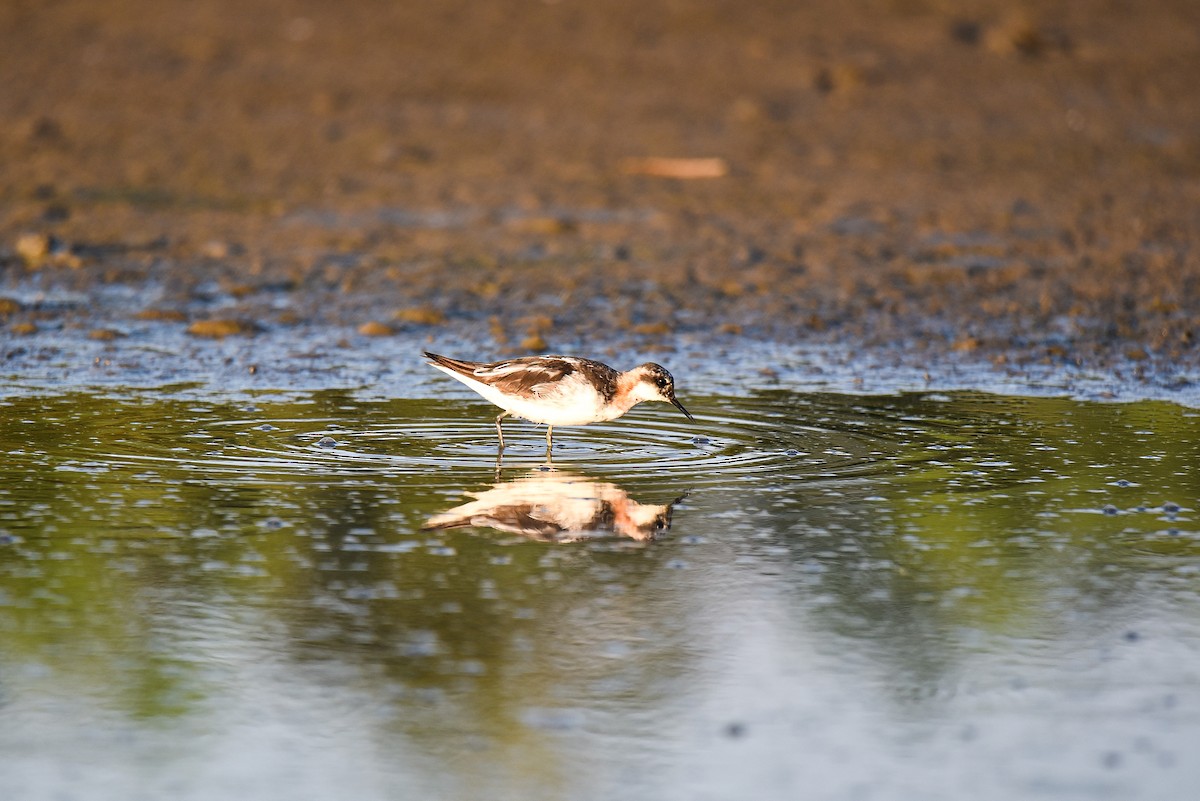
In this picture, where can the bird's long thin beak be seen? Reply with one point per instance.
(675, 402)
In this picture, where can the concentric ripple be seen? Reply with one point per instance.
(732, 440)
(729, 442)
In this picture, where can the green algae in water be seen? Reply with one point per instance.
(799, 593)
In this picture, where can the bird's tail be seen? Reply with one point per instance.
(457, 365)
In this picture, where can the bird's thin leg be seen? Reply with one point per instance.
(500, 431)
(550, 447)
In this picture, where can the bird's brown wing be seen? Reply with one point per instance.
(531, 376)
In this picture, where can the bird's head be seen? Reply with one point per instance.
(654, 383)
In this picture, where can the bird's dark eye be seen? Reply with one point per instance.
(662, 382)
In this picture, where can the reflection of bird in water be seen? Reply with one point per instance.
(558, 507)
(561, 390)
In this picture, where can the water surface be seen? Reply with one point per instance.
(317, 596)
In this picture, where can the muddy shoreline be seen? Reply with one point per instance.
(991, 191)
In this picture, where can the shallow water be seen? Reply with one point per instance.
(317, 596)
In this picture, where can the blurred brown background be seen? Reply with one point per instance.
(1018, 179)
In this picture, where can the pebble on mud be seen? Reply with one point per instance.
(1022, 36)
(421, 315)
(534, 342)
(652, 329)
(966, 344)
(33, 248)
(165, 315)
(842, 77)
(678, 168)
(23, 329)
(240, 291)
(374, 328)
(37, 250)
(104, 334)
(327, 442)
(219, 329)
(216, 249)
(9, 306)
(547, 226)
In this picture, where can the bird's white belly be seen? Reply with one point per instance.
(576, 403)
(573, 408)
